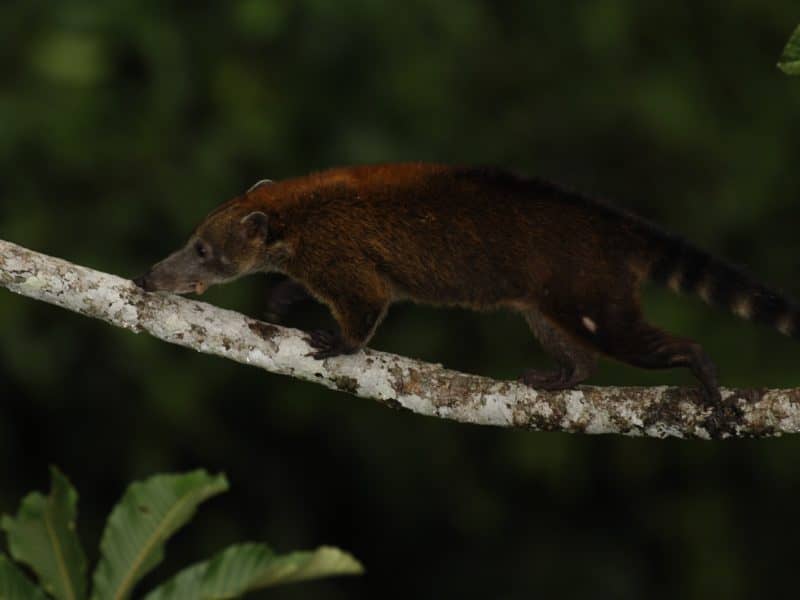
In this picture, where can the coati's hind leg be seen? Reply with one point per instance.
(640, 344)
(575, 361)
(615, 326)
(607, 317)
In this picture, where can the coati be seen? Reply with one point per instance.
(360, 238)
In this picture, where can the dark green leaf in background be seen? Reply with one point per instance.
(790, 59)
(149, 513)
(43, 537)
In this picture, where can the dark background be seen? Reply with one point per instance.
(123, 122)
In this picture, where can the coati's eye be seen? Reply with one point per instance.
(201, 250)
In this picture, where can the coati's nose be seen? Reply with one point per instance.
(143, 282)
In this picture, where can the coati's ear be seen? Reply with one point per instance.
(258, 184)
(256, 225)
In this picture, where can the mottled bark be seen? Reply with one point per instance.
(395, 380)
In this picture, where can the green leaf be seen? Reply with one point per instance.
(187, 584)
(149, 513)
(14, 585)
(247, 567)
(300, 566)
(43, 537)
(790, 60)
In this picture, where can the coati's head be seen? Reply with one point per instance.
(236, 239)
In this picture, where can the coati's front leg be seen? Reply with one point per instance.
(282, 295)
(358, 302)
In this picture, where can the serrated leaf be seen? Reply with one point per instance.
(790, 59)
(14, 585)
(247, 567)
(149, 513)
(43, 537)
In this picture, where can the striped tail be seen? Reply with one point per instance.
(684, 268)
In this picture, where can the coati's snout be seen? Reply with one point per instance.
(216, 253)
(183, 272)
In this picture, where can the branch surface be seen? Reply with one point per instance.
(397, 381)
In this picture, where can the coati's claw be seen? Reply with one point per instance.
(327, 344)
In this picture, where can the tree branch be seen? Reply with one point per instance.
(397, 381)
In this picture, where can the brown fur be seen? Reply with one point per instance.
(361, 238)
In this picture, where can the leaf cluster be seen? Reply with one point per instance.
(42, 536)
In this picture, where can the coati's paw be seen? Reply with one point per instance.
(711, 396)
(327, 344)
(560, 379)
(706, 371)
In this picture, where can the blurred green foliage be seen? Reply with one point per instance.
(790, 59)
(122, 123)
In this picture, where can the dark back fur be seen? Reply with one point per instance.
(466, 236)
